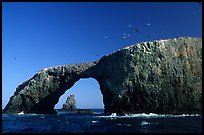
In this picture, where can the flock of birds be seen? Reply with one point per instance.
(128, 35)
(136, 30)
(148, 24)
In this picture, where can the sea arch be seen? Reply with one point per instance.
(41, 93)
(165, 79)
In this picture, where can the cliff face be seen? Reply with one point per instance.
(163, 76)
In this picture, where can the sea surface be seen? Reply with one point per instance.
(97, 122)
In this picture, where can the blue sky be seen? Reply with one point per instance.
(39, 35)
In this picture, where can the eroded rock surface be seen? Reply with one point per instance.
(40, 93)
(70, 104)
(161, 76)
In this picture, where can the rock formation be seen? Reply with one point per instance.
(70, 104)
(161, 76)
(40, 93)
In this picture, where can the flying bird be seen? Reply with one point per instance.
(149, 35)
(137, 30)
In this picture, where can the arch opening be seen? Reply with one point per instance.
(87, 94)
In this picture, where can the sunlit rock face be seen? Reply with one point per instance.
(161, 76)
(70, 104)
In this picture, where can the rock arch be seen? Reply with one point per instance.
(162, 76)
(40, 93)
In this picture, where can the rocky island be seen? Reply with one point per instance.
(160, 76)
(70, 104)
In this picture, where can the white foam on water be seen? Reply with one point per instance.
(128, 125)
(31, 114)
(35, 114)
(96, 112)
(93, 121)
(42, 117)
(150, 115)
(113, 115)
(21, 113)
(144, 123)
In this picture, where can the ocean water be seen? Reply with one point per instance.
(66, 122)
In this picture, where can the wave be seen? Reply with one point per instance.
(144, 123)
(150, 115)
(21, 113)
(94, 121)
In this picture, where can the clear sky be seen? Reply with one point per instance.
(39, 35)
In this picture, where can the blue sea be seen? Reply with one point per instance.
(67, 122)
